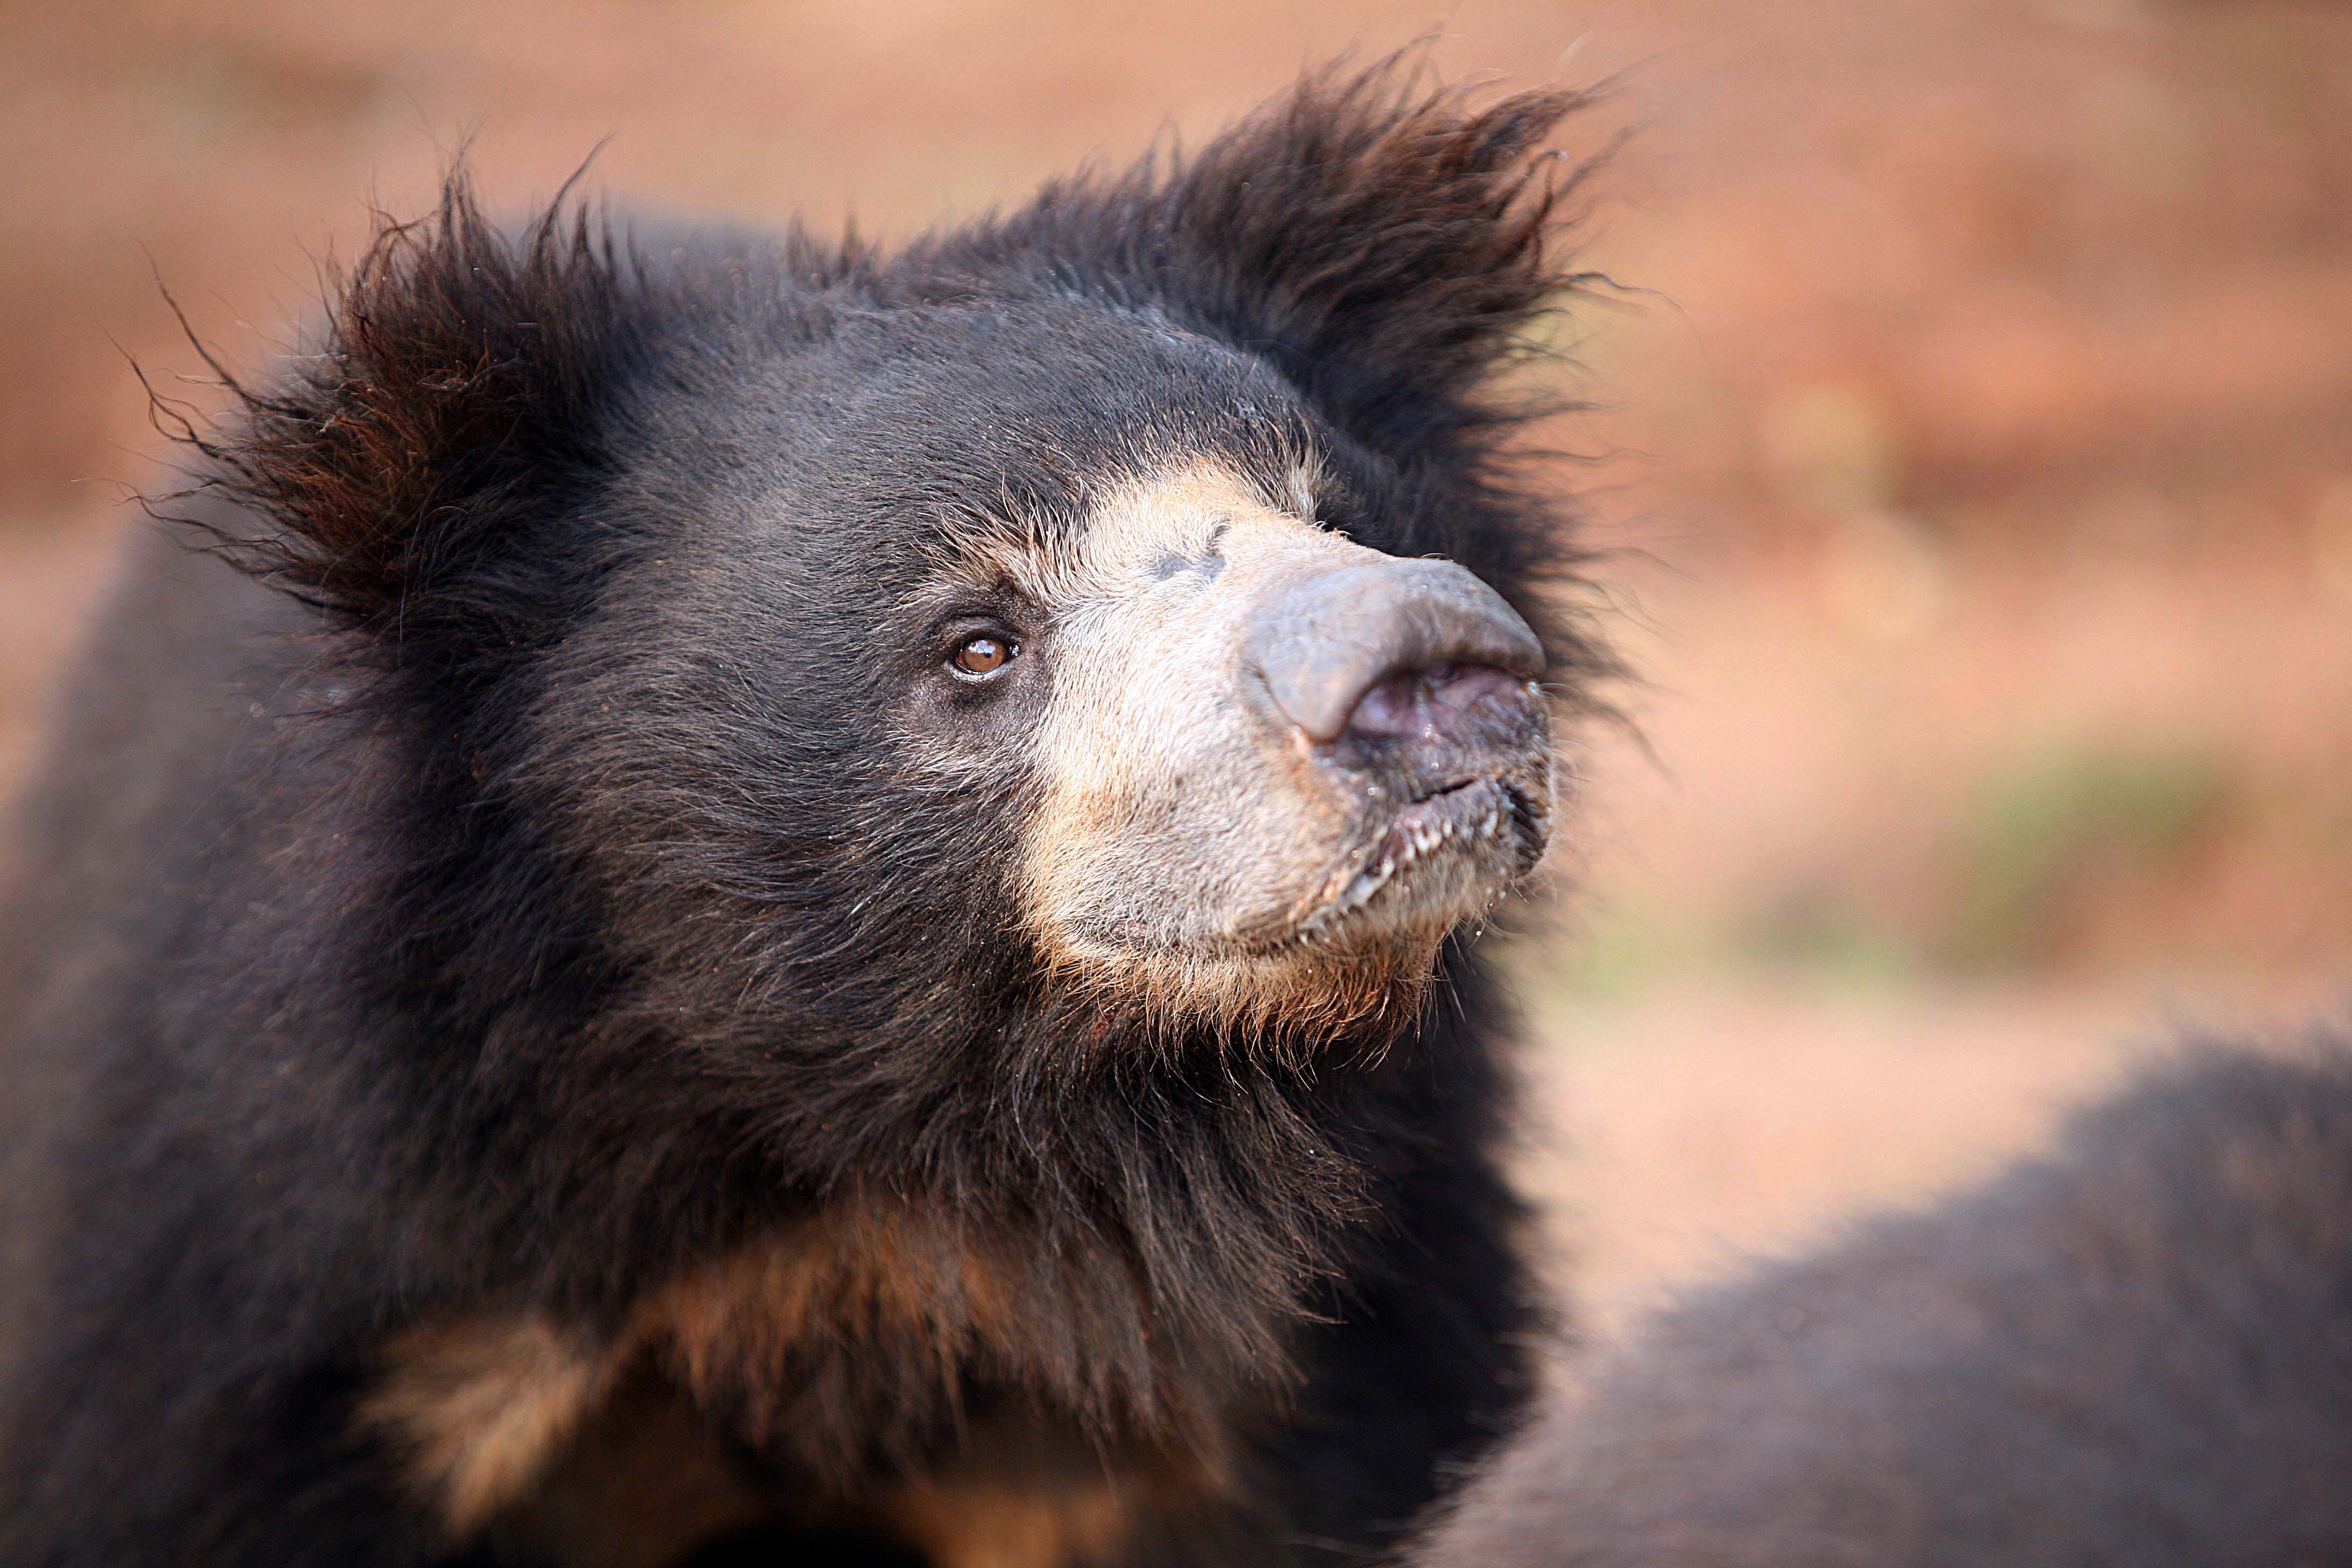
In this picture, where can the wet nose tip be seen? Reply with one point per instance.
(1385, 646)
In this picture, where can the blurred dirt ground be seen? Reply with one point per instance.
(1974, 472)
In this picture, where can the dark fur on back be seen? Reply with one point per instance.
(533, 902)
(2135, 1352)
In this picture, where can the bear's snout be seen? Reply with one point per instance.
(1411, 682)
(1351, 757)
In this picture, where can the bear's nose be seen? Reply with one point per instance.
(1388, 647)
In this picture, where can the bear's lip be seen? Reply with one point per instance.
(1471, 837)
(1485, 817)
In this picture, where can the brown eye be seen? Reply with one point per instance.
(982, 657)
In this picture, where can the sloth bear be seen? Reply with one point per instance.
(2135, 1352)
(766, 890)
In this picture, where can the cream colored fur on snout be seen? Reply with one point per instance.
(1188, 838)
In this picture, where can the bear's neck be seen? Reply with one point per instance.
(1125, 1249)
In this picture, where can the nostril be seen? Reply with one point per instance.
(1423, 702)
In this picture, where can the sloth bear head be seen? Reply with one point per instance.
(1116, 611)
(873, 835)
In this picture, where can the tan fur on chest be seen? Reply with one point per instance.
(608, 1453)
(884, 1280)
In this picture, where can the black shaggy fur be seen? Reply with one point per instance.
(2135, 1352)
(528, 903)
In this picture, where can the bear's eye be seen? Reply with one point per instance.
(983, 657)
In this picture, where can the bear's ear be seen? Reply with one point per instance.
(1383, 243)
(457, 391)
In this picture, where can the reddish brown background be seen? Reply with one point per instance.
(1980, 458)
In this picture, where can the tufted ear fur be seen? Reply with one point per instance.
(1384, 246)
(1379, 241)
(458, 391)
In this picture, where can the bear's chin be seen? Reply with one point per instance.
(1288, 1004)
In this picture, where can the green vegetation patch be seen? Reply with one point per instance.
(2068, 827)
